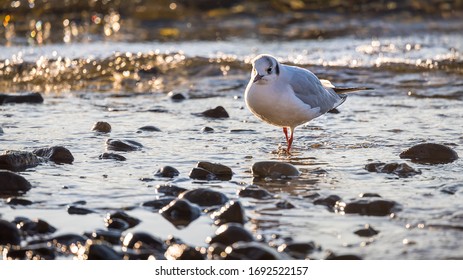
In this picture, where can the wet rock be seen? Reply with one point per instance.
(180, 212)
(167, 172)
(334, 111)
(202, 174)
(1, 131)
(39, 252)
(143, 241)
(18, 201)
(110, 236)
(242, 131)
(231, 212)
(252, 251)
(299, 250)
(378, 207)
(13, 184)
(402, 170)
(369, 195)
(102, 127)
(64, 241)
(131, 221)
(98, 250)
(274, 169)
(430, 153)
(218, 112)
(170, 190)
(9, 233)
(74, 210)
(33, 97)
(221, 171)
(149, 128)
(230, 233)
(204, 197)
(176, 97)
(18, 160)
(183, 252)
(366, 231)
(57, 154)
(117, 224)
(112, 156)
(254, 192)
(123, 145)
(34, 227)
(333, 256)
(158, 203)
(329, 201)
(207, 129)
(216, 251)
(285, 205)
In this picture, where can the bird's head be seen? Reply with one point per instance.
(265, 68)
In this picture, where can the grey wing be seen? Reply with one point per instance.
(310, 90)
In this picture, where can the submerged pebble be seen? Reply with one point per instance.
(18, 160)
(207, 129)
(284, 204)
(180, 212)
(102, 127)
(252, 251)
(221, 171)
(254, 192)
(18, 201)
(299, 250)
(110, 236)
(74, 210)
(9, 233)
(98, 250)
(170, 190)
(37, 252)
(114, 156)
(218, 112)
(204, 197)
(366, 231)
(13, 184)
(158, 203)
(430, 153)
(34, 227)
(176, 97)
(149, 128)
(230, 233)
(274, 169)
(231, 212)
(131, 221)
(378, 207)
(183, 252)
(57, 154)
(33, 97)
(123, 145)
(143, 241)
(167, 172)
(202, 174)
(402, 170)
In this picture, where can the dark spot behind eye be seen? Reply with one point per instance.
(269, 70)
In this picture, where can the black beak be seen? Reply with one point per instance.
(257, 77)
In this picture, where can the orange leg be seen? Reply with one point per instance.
(289, 140)
(285, 130)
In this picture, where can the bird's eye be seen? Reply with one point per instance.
(269, 70)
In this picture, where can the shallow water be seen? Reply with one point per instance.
(417, 98)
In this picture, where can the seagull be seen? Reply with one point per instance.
(289, 96)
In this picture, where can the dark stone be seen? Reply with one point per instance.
(149, 128)
(74, 210)
(242, 131)
(57, 154)
(231, 212)
(216, 251)
(299, 250)
(367, 231)
(333, 256)
(131, 221)
(334, 111)
(217, 113)
(123, 145)
(369, 195)
(110, 236)
(202, 174)
(274, 169)
(176, 97)
(329, 201)
(369, 207)
(204, 197)
(167, 172)
(33, 97)
(402, 170)
(117, 224)
(18, 160)
(40, 252)
(143, 241)
(18, 201)
(430, 153)
(221, 171)
(170, 190)
(183, 252)
(230, 233)
(9, 233)
(285, 205)
(254, 192)
(98, 250)
(158, 203)
(252, 251)
(12, 183)
(207, 129)
(102, 127)
(66, 240)
(35, 227)
(180, 212)
(112, 156)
